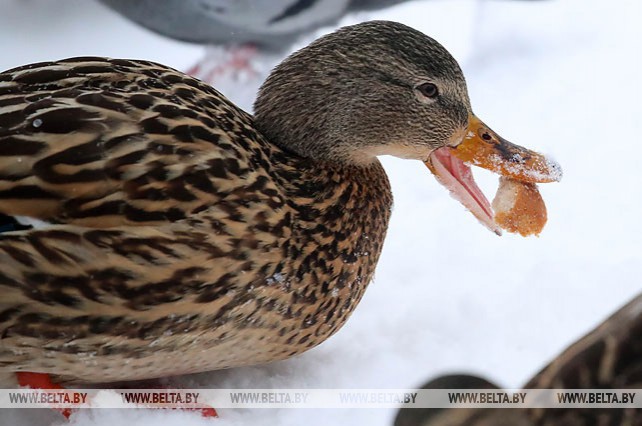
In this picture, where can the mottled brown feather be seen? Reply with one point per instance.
(182, 241)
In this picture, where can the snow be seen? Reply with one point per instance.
(559, 77)
(30, 221)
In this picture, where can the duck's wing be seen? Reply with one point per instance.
(161, 199)
(102, 143)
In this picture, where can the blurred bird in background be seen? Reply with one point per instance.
(240, 35)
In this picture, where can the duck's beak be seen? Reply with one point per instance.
(484, 148)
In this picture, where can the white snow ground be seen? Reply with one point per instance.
(558, 76)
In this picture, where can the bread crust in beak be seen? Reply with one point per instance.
(482, 147)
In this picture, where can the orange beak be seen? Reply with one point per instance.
(484, 148)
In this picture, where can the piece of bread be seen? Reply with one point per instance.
(519, 207)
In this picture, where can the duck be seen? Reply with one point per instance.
(153, 228)
(607, 357)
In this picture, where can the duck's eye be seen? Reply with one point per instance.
(429, 90)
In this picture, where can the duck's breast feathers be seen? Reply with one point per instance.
(102, 142)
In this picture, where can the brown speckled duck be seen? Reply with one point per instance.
(609, 357)
(153, 228)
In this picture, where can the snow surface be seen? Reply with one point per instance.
(558, 76)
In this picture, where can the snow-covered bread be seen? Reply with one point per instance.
(519, 207)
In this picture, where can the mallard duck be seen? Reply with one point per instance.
(170, 232)
(608, 357)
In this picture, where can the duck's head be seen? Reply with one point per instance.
(383, 88)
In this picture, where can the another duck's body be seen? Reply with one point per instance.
(182, 234)
(607, 358)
